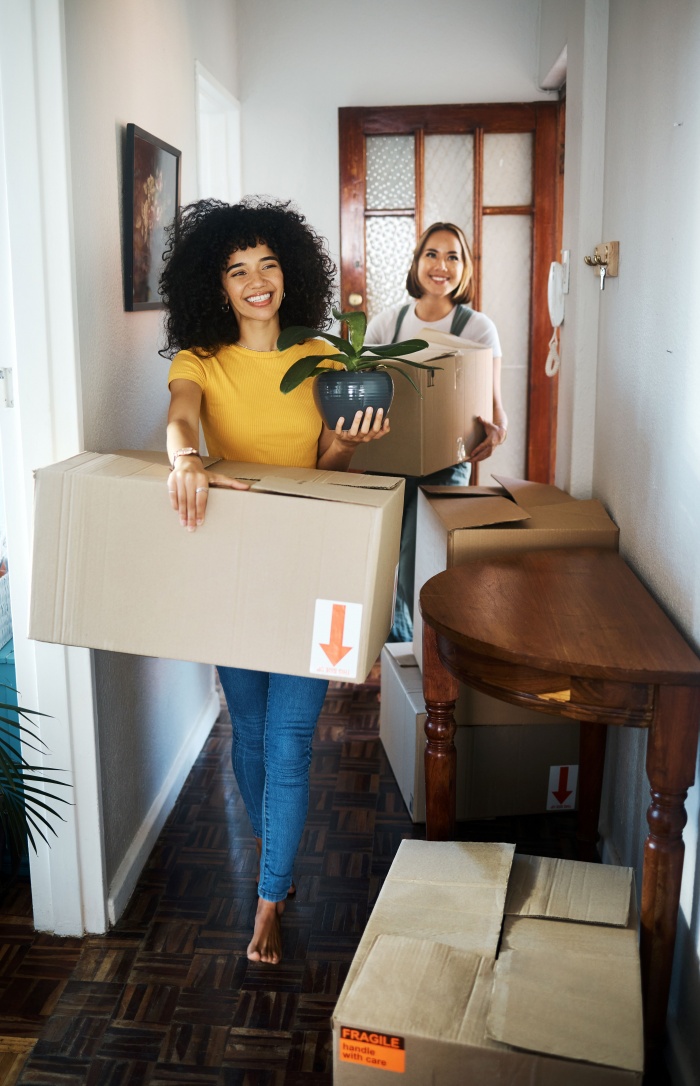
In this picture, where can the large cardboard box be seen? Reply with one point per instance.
(503, 770)
(295, 575)
(439, 428)
(457, 524)
(478, 966)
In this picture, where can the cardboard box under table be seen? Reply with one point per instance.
(439, 427)
(479, 967)
(456, 524)
(295, 575)
(504, 770)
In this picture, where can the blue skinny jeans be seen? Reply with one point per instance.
(274, 718)
(457, 475)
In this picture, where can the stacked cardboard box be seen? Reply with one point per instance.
(458, 524)
(295, 575)
(480, 967)
(504, 770)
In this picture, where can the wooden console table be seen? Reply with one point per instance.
(573, 633)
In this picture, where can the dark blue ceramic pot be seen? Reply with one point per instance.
(341, 393)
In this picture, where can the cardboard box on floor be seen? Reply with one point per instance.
(439, 428)
(500, 771)
(295, 575)
(456, 524)
(477, 967)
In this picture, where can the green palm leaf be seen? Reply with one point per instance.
(23, 794)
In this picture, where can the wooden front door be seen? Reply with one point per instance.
(492, 169)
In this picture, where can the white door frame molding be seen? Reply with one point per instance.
(218, 116)
(40, 342)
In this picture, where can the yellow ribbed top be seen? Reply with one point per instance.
(244, 414)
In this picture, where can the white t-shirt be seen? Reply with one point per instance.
(479, 328)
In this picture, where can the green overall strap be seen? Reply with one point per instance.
(399, 321)
(459, 319)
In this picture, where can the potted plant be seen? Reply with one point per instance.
(363, 382)
(24, 809)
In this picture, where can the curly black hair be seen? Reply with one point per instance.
(200, 241)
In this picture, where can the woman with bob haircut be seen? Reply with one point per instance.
(440, 280)
(234, 277)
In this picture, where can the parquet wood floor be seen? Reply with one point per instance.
(168, 996)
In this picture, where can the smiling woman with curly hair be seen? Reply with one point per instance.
(200, 242)
(234, 277)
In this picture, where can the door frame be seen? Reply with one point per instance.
(41, 349)
(540, 118)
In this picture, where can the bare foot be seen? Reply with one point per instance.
(258, 848)
(266, 944)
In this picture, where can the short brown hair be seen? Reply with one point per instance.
(463, 292)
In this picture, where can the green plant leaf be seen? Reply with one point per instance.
(388, 366)
(23, 794)
(289, 337)
(408, 346)
(357, 326)
(405, 362)
(306, 367)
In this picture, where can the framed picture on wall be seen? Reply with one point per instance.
(151, 199)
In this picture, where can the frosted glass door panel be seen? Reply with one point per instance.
(507, 169)
(390, 241)
(449, 182)
(391, 172)
(505, 293)
(505, 282)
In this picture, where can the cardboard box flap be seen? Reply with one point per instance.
(445, 339)
(568, 937)
(328, 489)
(469, 865)
(109, 465)
(444, 892)
(477, 512)
(573, 516)
(532, 495)
(405, 984)
(427, 354)
(566, 890)
(579, 1006)
(463, 491)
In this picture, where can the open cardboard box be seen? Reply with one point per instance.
(439, 427)
(480, 967)
(295, 575)
(457, 524)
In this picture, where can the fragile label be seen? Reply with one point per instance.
(336, 639)
(380, 1050)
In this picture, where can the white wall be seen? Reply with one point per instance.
(629, 402)
(134, 61)
(647, 439)
(295, 72)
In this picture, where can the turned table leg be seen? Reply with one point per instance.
(671, 754)
(440, 692)
(592, 745)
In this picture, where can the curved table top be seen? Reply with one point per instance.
(572, 611)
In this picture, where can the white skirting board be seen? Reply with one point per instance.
(137, 854)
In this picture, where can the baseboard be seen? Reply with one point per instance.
(126, 877)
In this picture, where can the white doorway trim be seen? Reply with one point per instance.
(218, 139)
(40, 343)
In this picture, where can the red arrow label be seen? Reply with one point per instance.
(336, 650)
(561, 794)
